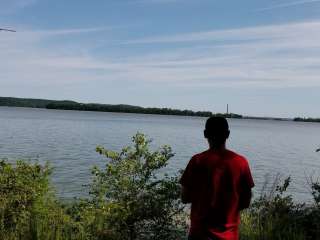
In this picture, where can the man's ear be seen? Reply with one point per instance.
(228, 134)
(205, 133)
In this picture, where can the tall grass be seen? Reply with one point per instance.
(275, 215)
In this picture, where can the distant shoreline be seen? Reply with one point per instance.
(123, 108)
(96, 107)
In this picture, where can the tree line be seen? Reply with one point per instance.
(122, 108)
(299, 119)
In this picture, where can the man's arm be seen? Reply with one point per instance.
(187, 183)
(246, 185)
(245, 199)
(185, 195)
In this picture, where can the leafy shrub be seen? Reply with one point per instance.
(28, 209)
(140, 203)
(131, 198)
(23, 188)
(275, 215)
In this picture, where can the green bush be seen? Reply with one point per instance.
(140, 203)
(131, 198)
(28, 209)
(23, 189)
(275, 215)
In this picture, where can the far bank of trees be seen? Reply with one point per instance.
(299, 119)
(133, 109)
(122, 108)
(125, 109)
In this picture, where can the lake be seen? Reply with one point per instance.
(67, 139)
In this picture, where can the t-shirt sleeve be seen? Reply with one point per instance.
(246, 177)
(187, 176)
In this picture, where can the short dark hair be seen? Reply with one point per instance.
(217, 127)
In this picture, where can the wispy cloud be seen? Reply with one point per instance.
(156, 1)
(289, 4)
(258, 33)
(8, 7)
(41, 36)
(274, 56)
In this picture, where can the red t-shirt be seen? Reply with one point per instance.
(215, 181)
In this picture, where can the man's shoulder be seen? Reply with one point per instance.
(202, 157)
(230, 154)
(199, 156)
(238, 157)
(235, 154)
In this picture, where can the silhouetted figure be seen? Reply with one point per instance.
(218, 185)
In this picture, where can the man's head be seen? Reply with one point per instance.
(216, 130)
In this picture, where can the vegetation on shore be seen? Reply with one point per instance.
(72, 105)
(28, 102)
(129, 199)
(123, 108)
(299, 119)
(132, 199)
(275, 215)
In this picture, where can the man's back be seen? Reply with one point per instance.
(217, 182)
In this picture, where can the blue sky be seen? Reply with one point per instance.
(260, 57)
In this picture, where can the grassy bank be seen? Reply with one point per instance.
(130, 200)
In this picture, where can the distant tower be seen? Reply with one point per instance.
(227, 109)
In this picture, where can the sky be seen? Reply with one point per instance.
(262, 57)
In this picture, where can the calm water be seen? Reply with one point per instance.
(68, 139)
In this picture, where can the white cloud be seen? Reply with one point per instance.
(273, 56)
(289, 4)
(276, 56)
(10, 6)
(155, 1)
(267, 33)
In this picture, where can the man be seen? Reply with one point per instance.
(218, 185)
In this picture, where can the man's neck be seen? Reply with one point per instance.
(217, 148)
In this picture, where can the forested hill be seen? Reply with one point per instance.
(71, 105)
(28, 102)
(300, 119)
